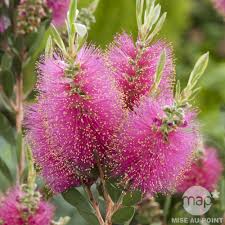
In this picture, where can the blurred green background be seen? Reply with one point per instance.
(193, 27)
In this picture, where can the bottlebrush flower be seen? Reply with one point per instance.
(4, 23)
(59, 10)
(19, 207)
(75, 117)
(144, 156)
(134, 68)
(220, 6)
(204, 172)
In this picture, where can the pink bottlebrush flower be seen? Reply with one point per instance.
(144, 158)
(13, 210)
(59, 10)
(4, 23)
(75, 117)
(204, 172)
(134, 71)
(220, 6)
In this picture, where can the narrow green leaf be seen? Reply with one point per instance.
(157, 28)
(4, 169)
(7, 82)
(132, 198)
(72, 11)
(156, 14)
(49, 48)
(114, 191)
(5, 103)
(139, 12)
(76, 199)
(152, 18)
(6, 62)
(178, 90)
(6, 130)
(123, 215)
(57, 38)
(198, 70)
(89, 217)
(159, 72)
(30, 164)
(160, 67)
(167, 206)
(196, 74)
(36, 43)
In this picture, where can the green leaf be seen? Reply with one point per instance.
(6, 130)
(4, 169)
(160, 67)
(76, 199)
(72, 11)
(123, 215)
(49, 48)
(167, 206)
(132, 198)
(57, 38)
(198, 70)
(29, 71)
(36, 44)
(7, 82)
(157, 28)
(6, 62)
(178, 90)
(5, 103)
(113, 190)
(141, 219)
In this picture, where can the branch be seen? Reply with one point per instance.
(108, 200)
(19, 121)
(94, 204)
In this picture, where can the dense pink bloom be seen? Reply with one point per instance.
(13, 211)
(59, 11)
(4, 23)
(73, 119)
(134, 72)
(220, 6)
(204, 172)
(144, 158)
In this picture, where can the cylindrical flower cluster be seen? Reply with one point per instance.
(23, 206)
(134, 67)
(204, 172)
(146, 156)
(78, 112)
